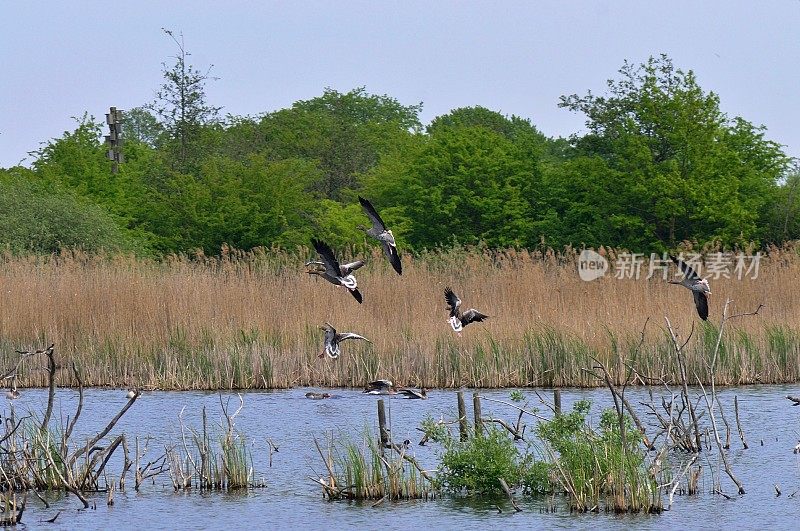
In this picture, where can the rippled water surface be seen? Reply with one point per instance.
(292, 500)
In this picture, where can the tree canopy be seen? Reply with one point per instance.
(660, 164)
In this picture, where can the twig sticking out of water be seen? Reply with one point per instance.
(738, 422)
(510, 495)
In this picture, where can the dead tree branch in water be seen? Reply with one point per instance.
(679, 352)
(710, 403)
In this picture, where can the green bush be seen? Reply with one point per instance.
(43, 218)
(477, 465)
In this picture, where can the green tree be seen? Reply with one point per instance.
(182, 108)
(140, 126)
(345, 133)
(78, 161)
(677, 167)
(462, 183)
(244, 204)
(43, 217)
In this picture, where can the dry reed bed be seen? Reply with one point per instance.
(249, 320)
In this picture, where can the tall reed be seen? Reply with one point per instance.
(250, 320)
(363, 472)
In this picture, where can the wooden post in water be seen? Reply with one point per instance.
(462, 417)
(557, 400)
(476, 406)
(382, 430)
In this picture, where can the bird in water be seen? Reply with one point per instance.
(12, 393)
(699, 286)
(333, 338)
(330, 270)
(382, 234)
(457, 319)
(317, 396)
(380, 387)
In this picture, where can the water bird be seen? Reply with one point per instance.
(382, 234)
(380, 387)
(333, 338)
(458, 320)
(317, 396)
(699, 286)
(413, 394)
(330, 270)
(12, 393)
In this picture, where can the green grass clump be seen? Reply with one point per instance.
(363, 471)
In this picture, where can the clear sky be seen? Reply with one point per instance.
(61, 59)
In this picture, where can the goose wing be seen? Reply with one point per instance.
(453, 302)
(328, 258)
(346, 269)
(685, 268)
(350, 335)
(701, 301)
(394, 257)
(379, 385)
(472, 315)
(412, 393)
(357, 295)
(377, 223)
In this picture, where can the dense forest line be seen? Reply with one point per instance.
(659, 164)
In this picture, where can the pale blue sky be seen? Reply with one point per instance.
(60, 59)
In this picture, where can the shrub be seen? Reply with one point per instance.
(478, 464)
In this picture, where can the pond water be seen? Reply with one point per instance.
(292, 500)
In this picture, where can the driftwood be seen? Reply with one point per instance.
(37, 446)
(15, 511)
(510, 495)
(697, 447)
(738, 422)
(710, 402)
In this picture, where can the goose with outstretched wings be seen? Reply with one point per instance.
(692, 281)
(333, 338)
(382, 234)
(329, 269)
(457, 319)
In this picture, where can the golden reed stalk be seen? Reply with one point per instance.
(249, 320)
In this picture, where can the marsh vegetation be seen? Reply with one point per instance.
(250, 320)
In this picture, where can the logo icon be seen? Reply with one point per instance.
(591, 265)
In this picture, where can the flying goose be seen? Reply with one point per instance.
(333, 338)
(458, 320)
(699, 286)
(422, 394)
(380, 387)
(330, 270)
(382, 234)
